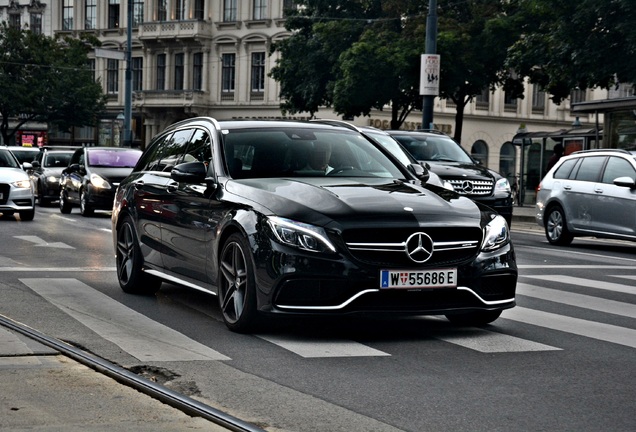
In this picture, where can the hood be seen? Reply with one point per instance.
(10, 175)
(323, 200)
(113, 175)
(460, 170)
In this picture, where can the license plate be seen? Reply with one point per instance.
(436, 278)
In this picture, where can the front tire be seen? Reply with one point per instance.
(27, 215)
(237, 290)
(65, 206)
(41, 200)
(556, 228)
(85, 209)
(474, 318)
(129, 262)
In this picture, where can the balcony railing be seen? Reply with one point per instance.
(175, 29)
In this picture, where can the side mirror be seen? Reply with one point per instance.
(627, 182)
(189, 172)
(35, 164)
(27, 166)
(419, 171)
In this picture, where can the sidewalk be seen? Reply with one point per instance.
(524, 214)
(41, 389)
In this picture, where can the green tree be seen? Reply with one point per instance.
(357, 55)
(47, 80)
(569, 44)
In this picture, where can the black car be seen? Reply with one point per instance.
(239, 209)
(452, 163)
(47, 170)
(92, 176)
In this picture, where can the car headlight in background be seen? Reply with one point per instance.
(496, 234)
(22, 184)
(300, 235)
(52, 179)
(99, 182)
(502, 188)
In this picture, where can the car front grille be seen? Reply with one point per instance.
(472, 188)
(387, 247)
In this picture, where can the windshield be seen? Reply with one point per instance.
(434, 148)
(297, 152)
(113, 158)
(57, 160)
(392, 146)
(7, 160)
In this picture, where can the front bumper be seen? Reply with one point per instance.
(99, 198)
(16, 199)
(318, 286)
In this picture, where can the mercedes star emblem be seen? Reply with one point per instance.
(419, 247)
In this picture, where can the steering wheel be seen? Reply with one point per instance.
(341, 169)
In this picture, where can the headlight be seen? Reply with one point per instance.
(502, 188)
(99, 182)
(301, 235)
(22, 184)
(496, 234)
(52, 179)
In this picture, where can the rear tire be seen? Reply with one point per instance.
(475, 318)
(237, 289)
(129, 261)
(556, 228)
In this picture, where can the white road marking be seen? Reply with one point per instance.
(322, 348)
(579, 300)
(577, 326)
(141, 337)
(590, 283)
(492, 342)
(42, 243)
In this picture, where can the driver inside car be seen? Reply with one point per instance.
(319, 155)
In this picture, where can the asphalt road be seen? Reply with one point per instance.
(562, 360)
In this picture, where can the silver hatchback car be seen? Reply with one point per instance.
(589, 193)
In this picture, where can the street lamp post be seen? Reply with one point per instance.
(428, 101)
(128, 84)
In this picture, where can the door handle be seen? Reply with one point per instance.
(567, 187)
(598, 190)
(139, 184)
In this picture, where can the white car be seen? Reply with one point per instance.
(16, 188)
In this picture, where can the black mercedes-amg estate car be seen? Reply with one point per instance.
(285, 217)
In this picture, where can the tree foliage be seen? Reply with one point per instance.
(569, 44)
(46, 79)
(359, 55)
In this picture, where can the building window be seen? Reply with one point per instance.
(510, 103)
(577, 96)
(227, 76)
(90, 14)
(15, 21)
(112, 76)
(162, 10)
(229, 10)
(138, 12)
(479, 151)
(178, 71)
(538, 99)
(621, 90)
(161, 72)
(67, 15)
(507, 158)
(288, 6)
(199, 9)
(197, 71)
(258, 75)
(36, 23)
(113, 14)
(482, 100)
(179, 10)
(137, 68)
(91, 67)
(260, 9)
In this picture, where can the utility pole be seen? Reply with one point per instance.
(429, 80)
(128, 86)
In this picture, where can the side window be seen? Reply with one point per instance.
(199, 148)
(174, 150)
(78, 157)
(617, 167)
(590, 169)
(151, 157)
(565, 169)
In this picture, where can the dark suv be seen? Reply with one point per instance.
(452, 163)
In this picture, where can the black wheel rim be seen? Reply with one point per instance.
(125, 253)
(233, 287)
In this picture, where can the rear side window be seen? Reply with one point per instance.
(590, 168)
(563, 172)
(617, 167)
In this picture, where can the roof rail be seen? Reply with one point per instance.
(602, 150)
